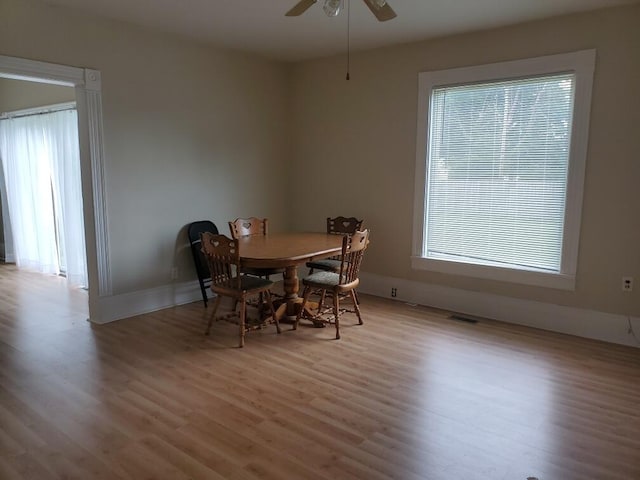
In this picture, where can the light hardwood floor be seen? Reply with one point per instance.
(411, 394)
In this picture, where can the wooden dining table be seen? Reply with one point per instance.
(287, 250)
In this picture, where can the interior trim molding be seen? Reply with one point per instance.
(118, 307)
(23, 69)
(88, 89)
(608, 327)
(94, 111)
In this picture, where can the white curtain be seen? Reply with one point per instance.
(41, 162)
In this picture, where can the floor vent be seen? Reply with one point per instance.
(463, 318)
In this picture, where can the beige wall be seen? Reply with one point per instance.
(358, 137)
(190, 132)
(18, 95)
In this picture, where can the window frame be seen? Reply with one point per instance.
(582, 65)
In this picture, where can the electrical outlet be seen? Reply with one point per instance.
(174, 273)
(627, 284)
(394, 292)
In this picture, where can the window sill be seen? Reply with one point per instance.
(558, 281)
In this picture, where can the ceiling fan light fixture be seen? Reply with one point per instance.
(332, 7)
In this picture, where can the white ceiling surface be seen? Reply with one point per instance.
(259, 26)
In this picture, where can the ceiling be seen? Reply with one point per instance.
(260, 26)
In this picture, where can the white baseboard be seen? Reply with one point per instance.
(116, 307)
(608, 327)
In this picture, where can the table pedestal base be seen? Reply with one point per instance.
(287, 311)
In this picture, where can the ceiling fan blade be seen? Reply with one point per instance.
(300, 7)
(382, 13)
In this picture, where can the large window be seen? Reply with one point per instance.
(500, 169)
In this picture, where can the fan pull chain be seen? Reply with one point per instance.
(348, 36)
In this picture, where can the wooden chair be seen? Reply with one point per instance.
(339, 285)
(194, 230)
(335, 226)
(223, 258)
(244, 227)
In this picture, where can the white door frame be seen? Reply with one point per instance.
(87, 85)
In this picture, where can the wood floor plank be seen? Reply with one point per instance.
(411, 394)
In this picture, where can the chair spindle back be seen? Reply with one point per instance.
(353, 247)
(244, 227)
(343, 225)
(223, 259)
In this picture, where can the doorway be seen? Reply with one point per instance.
(86, 84)
(41, 227)
(41, 194)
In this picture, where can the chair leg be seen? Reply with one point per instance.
(216, 304)
(321, 302)
(243, 312)
(273, 311)
(336, 313)
(354, 297)
(357, 298)
(203, 290)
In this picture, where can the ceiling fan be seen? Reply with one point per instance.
(380, 8)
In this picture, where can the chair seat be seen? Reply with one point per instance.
(248, 283)
(322, 279)
(329, 281)
(329, 264)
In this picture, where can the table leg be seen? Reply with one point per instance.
(291, 287)
(288, 310)
(291, 284)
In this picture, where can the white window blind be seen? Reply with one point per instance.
(498, 157)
